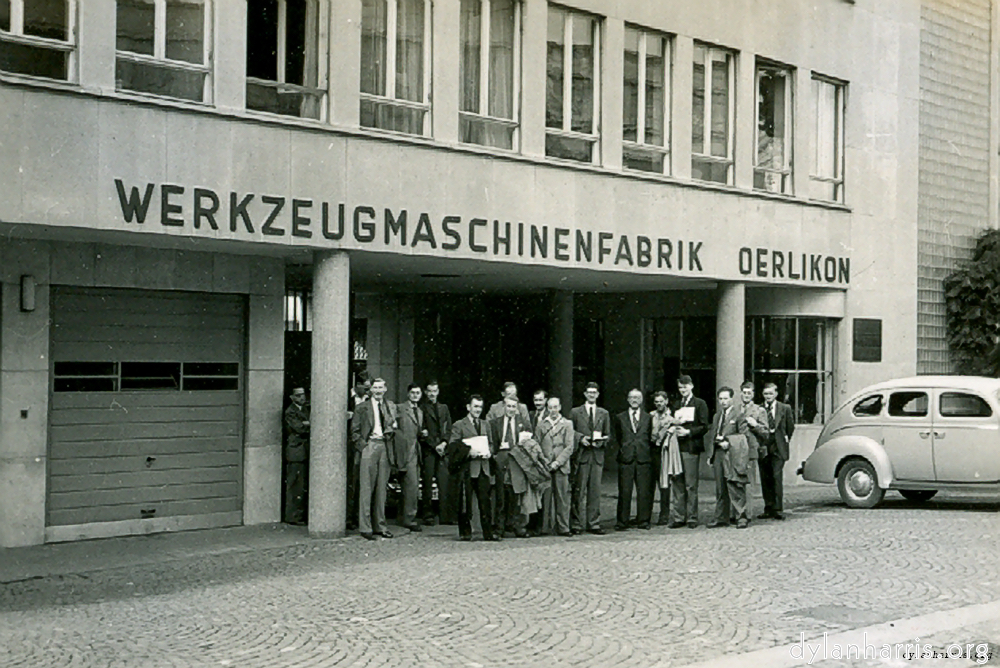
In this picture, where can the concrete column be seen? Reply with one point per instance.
(97, 57)
(230, 54)
(535, 16)
(745, 147)
(612, 85)
(729, 334)
(561, 349)
(680, 107)
(803, 138)
(345, 62)
(444, 71)
(329, 382)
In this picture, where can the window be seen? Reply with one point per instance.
(37, 37)
(869, 406)
(960, 404)
(826, 181)
(489, 69)
(773, 167)
(163, 47)
(286, 57)
(646, 113)
(395, 65)
(572, 91)
(121, 376)
(908, 404)
(202, 376)
(867, 340)
(713, 114)
(797, 355)
(85, 377)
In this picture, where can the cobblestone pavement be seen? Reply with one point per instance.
(638, 598)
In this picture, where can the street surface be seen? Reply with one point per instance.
(271, 596)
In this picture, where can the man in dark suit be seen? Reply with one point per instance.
(496, 410)
(296, 457)
(632, 430)
(362, 385)
(535, 417)
(437, 422)
(372, 429)
(592, 425)
(510, 482)
(471, 475)
(774, 451)
(730, 461)
(408, 444)
(692, 416)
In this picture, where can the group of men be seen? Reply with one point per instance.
(533, 472)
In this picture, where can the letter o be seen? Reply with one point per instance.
(746, 261)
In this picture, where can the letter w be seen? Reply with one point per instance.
(131, 206)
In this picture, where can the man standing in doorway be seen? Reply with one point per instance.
(756, 430)
(509, 391)
(535, 417)
(691, 417)
(729, 455)
(632, 431)
(437, 421)
(470, 472)
(372, 431)
(362, 385)
(407, 444)
(296, 457)
(556, 436)
(774, 451)
(592, 425)
(510, 482)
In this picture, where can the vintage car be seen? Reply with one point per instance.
(915, 435)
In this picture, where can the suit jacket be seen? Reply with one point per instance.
(502, 457)
(694, 443)
(735, 423)
(407, 439)
(533, 419)
(364, 422)
(602, 423)
(297, 441)
(756, 436)
(784, 427)
(633, 446)
(496, 410)
(458, 452)
(437, 421)
(557, 439)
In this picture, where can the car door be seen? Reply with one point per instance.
(966, 438)
(908, 435)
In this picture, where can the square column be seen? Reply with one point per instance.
(729, 335)
(680, 107)
(561, 349)
(534, 56)
(328, 385)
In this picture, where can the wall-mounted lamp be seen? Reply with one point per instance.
(27, 293)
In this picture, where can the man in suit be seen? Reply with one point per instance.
(632, 430)
(510, 482)
(774, 451)
(691, 414)
(470, 474)
(662, 421)
(496, 410)
(731, 465)
(556, 437)
(592, 425)
(296, 457)
(372, 429)
(756, 430)
(362, 385)
(408, 444)
(437, 422)
(539, 399)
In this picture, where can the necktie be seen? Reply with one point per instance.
(590, 418)
(770, 417)
(479, 429)
(635, 420)
(510, 432)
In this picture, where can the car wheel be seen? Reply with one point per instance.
(918, 495)
(858, 484)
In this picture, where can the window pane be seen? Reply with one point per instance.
(720, 104)
(301, 24)
(207, 384)
(33, 61)
(706, 170)
(157, 80)
(5, 15)
(211, 369)
(655, 89)
(288, 103)
(135, 26)
(569, 148)
(583, 74)
(647, 161)
(698, 101)
(373, 38)
(826, 130)
(502, 29)
(86, 369)
(262, 39)
(485, 133)
(410, 50)
(908, 404)
(810, 343)
(554, 70)
(186, 31)
(869, 406)
(85, 384)
(392, 117)
(151, 375)
(630, 111)
(771, 91)
(811, 397)
(470, 35)
(775, 346)
(46, 18)
(959, 404)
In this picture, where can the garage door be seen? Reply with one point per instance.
(146, 414)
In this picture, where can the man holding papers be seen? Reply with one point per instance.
(592, 425)
(468, 455)
(691, 417)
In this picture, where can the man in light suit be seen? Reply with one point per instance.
(471, 476)
(407, 444)
(372, 428)
(556, 437)
(510, 482)
(756, 430)
(692, 415)
(774, 451)
(729, 463)
(592, 425)
(632, 431)
(496, 410)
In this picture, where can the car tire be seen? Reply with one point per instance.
(918, 495)
(858, 484)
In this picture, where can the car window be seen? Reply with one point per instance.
(960, 404)
(908, 403)
(869, 406)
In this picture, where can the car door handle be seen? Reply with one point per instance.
(938, 434)
(925, 434)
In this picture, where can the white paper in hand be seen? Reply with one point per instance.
(479, 446)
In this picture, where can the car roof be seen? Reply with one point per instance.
(977, 383)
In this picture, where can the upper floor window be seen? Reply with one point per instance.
(37, 37)
(286, 57)
(713, 114)
(826, 180)
(489, 69)
(395, 65)
(163, 48)
(773, 164)
(572, 95)
(646, 112)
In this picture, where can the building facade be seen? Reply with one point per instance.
(207, 201)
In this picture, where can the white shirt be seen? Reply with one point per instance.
(377, 429)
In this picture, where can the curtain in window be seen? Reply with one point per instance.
(309, 74)
(373, 38)
(502, 58)
(554, 70)
(470, 34)
(656, 68)
(630, 92)
(410, 50)
(720, 106)
(583, 75)
(826, 129)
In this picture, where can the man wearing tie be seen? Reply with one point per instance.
(437, 421)
(510, 482)
(730, 461)
(509, 391)
(632, 432)
(556, 437)
(470, 473)
(774, 451)
(535, 417)
(592, 425)
(408, 443)
(691, 416)
(362, 386)
(372, 428)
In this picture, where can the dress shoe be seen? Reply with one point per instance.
(414, 527)
(645, 526)
(692, 525)
(575, 532)
(662, 522)
(717, 525)
(597, 531)
(676, 525)
(742, 524)
(621, 527)
(778, 516)
(494, 538)
(566, 534)
(521, 534)
(367, 536)
(465, 537)
(385, 534)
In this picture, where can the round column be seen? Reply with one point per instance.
(729, 335)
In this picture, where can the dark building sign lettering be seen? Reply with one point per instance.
(770, 263)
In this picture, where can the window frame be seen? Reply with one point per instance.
(840, 114)
(70, 46)
(159, 57)
(729, 160)
(787, 180)
(640, 145)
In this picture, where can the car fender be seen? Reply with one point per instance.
(824, 463)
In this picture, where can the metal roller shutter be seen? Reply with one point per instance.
(147, 412)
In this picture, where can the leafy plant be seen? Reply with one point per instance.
(972, 297)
